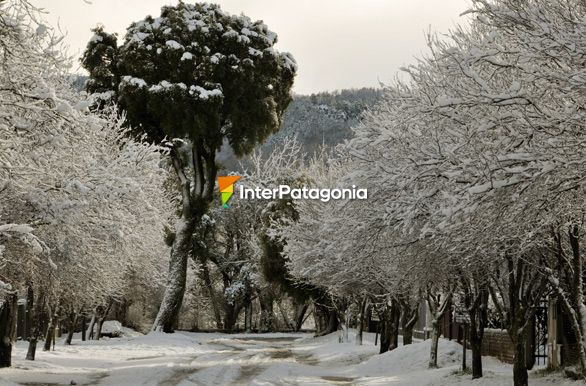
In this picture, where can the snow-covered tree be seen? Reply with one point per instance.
(473, 166)
(196, 75)
(91, 196)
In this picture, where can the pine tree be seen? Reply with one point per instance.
(197, 76)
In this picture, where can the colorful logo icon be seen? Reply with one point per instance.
(226, 185)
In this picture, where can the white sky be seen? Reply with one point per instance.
(337, 43)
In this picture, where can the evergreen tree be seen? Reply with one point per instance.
(100, 61)
(197, 76)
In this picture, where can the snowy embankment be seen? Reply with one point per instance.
(256, 359)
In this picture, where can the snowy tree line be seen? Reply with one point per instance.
(82, 204)
(473, 163)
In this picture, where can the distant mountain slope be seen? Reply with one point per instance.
(325, 118)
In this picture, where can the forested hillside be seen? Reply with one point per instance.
(324, 118)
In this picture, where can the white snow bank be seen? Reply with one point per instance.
(130, 333)
(187, 358)
(271, 335)
(413, 357)
(329, 351)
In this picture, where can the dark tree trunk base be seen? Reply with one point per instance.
(520, 375)
(326, 319)
(300, 311)
(49, 337)
(389, 336)
(407, 337)
(476, 359)
(32, 349)
(8, 313)
(168, 315)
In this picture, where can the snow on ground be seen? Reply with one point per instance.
(257, 359)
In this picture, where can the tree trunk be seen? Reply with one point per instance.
(32, 349)
(71, 324)
(478, 313)
(69, 337)
(409, 316)
(49, 335)
(385, 329)
(8, 313)
(83, 326)
(408, 334)
(120, 311)
(435, 333)
(438, 308)
(345, 326)
(194, 204)
(361, 323)
(333, 321)
(394, 326)
(476, 346)
(320, 316)
(37, 322)
(29, 314)
(525, 287)
(287, 322)
(476, 337)
(102, 319)
(326, 319)
(205, 272)
(230, 316)
(300, 310)
(530, 345)
(476, 302)
(578, 296)
(266, 311)
(389, 319)
(248, 317)
(168, 314)
(520, 376)
(90, 329)
(99, 326)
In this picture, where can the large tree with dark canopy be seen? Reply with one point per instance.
(196, 76)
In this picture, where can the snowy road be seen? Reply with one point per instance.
(248, 359)
(184, 359)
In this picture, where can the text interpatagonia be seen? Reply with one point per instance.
(304, 193)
